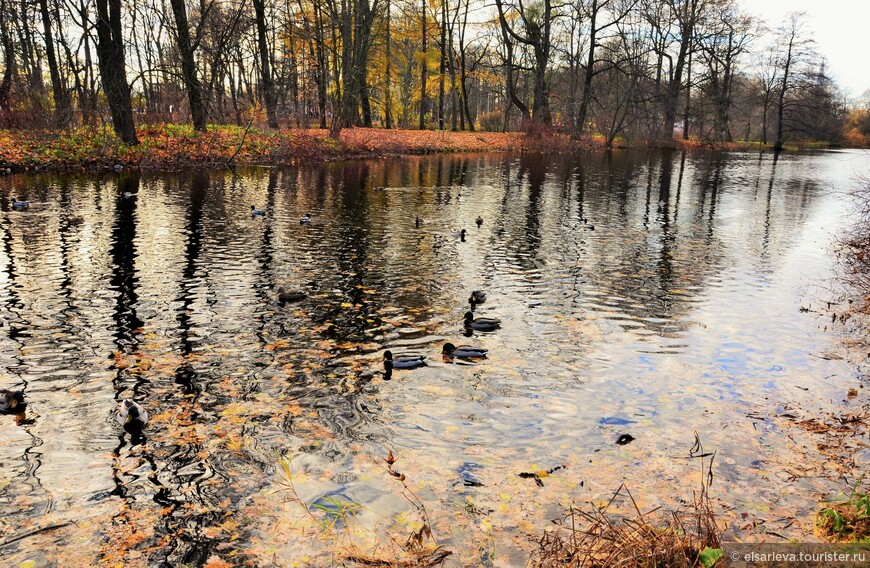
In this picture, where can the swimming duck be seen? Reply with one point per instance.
(418, 221)
(406, 361)
(463, 351)
(479, 220)
(75, 220)
(477, 297)
(128, 195)
(256, 212)
(12, 402)
(460, 235)
(481, 324)
(292, 296)
(132, 415)
(20, 205)
(305, 219)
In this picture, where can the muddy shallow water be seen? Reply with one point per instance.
(657, 295)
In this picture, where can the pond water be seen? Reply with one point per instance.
(650, 294)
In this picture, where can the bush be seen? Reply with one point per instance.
(491, 121)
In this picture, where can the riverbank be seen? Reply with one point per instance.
(168, 147)
(171, 147)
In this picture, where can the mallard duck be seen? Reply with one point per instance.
(406, 361)
(477, 297)
(132, 415)
(481, 324)
(479, 220)
(12, 402)
(418, 221)
(128, 195)
(292, 296)
(256, 212)
(305, 219)
(463, 351)
(460, 235)
(20, 205)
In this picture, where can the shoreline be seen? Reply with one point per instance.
(172, 147)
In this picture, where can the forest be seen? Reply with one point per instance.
(617, 71)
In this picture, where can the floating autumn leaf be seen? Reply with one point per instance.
(217, 562)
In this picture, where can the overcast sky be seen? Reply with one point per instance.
(840, 28)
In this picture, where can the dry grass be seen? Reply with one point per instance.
(854, 251)
(603, 537)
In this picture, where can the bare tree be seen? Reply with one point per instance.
(793, 49)
(9, 62)
(188, 65)
(113, 69)
(537, 21)
(267, 85)
(727, 37)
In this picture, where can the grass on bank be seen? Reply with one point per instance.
(607, 537)
(170, 146)
(847, 519)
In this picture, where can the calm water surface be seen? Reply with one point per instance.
(650, 294)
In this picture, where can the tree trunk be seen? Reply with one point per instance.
(388, 99)
(509, 68)
(442, 65)
(322, 66)
(113, 70)
(687, 31)
(541, 43)
(586, 97)
(780, 103)
(268, 86)
(365, 103)
(61, 97)
(463, 74)
(10, 67)
(688, 98)
(423, 74)
(188, 66)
